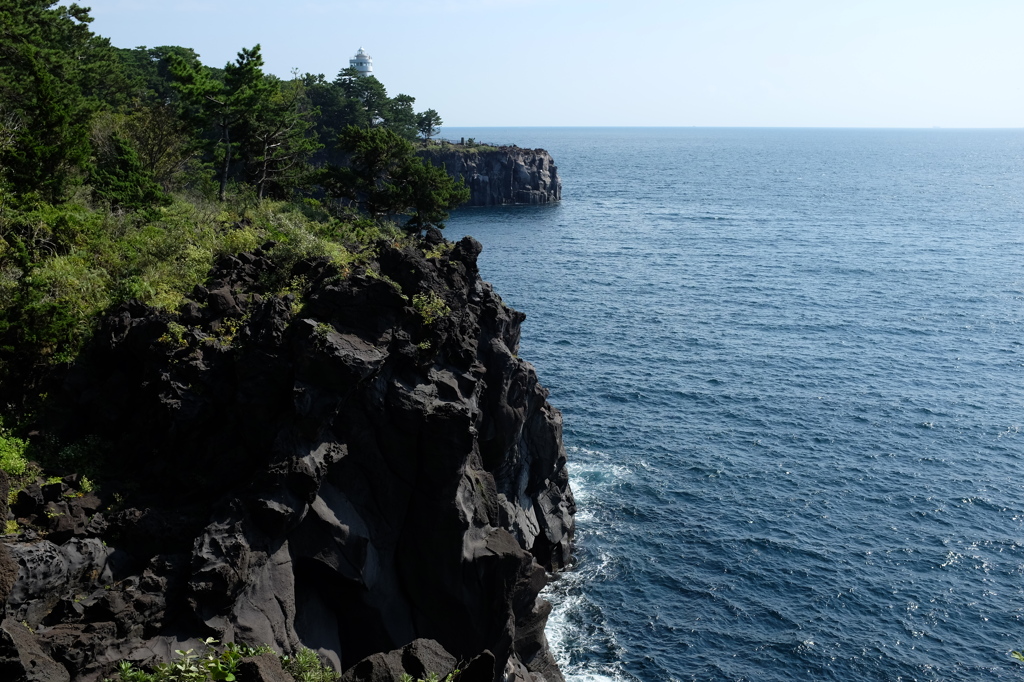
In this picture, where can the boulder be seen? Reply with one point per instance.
(418, 658)
(23, 657)
(263, 668)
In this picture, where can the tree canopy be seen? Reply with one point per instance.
(51, 82)
(385, 176)
(76, 111)
(428, 124)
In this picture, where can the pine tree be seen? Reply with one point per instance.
(227, 105)
(387, 178)
(279, 138)
(49, 82)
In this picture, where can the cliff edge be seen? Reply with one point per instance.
(372, 473)
(499, 176)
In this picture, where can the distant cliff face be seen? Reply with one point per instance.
(506, 175)
(375, 475)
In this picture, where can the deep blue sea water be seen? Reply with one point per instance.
(791, 364)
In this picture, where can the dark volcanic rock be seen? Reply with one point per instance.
(418, 658)
(264, 668)
(386, 490)
(23, 657)
(8, 566)
(506, 175)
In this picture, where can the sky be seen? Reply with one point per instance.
(774, 63)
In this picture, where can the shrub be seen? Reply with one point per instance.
(306, 666)
(430, 307)
(62, 266)
(189, 666)
(118, 176)
(439, 250)
(12, 454)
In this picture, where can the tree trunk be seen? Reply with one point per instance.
(265, 170)
(227, 164)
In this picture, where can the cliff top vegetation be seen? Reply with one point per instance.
(125, 174)
(468, 146)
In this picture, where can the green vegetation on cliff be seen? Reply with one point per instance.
(125, 174)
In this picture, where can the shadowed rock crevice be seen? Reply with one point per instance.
(343, 474)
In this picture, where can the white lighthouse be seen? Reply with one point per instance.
(362, 62)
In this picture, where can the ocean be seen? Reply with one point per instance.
(791, 365)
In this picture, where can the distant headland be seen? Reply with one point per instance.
(498, 175)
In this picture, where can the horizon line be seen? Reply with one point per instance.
(749, 127)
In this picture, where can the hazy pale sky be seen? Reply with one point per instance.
(870, 63)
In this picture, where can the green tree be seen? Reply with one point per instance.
(162, 140)
(386, 177)
(375, 158)
(427, 123)
(400, 116)
(278, 138)
(432, 194)
(120, 177)
(148, 71)
(226, 105)
(367, 99)
(329, 99)
(45, 79)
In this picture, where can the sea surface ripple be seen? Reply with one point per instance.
(790, 364)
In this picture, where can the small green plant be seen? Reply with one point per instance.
(430, 307)
(86, 485)
(423, 345)
(11, 527)
(224, 665)
(126, 672)
(188, 666)
(12, 454)
(117, 505)
(373, 274)
(306, 666)
(439, 250)
(296, 287)
(321, 333)
(230, 327)
(175, 335)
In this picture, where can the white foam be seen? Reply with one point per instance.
(590, 473)
(582, 676)
(570, 608)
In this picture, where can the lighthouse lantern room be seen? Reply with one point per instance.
(362, 63)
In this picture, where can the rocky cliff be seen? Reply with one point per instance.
(368, 471)
(502, 175)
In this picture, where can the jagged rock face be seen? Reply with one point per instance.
(344, 475)
(508, 175)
